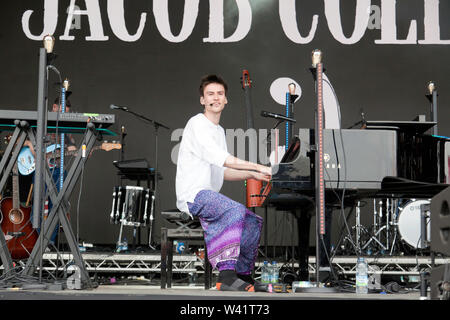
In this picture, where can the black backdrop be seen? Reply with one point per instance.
(159, 79)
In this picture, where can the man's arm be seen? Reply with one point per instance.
(239, 175)
(236, 175)
(70, 143)
(236, 163)
(28, 144)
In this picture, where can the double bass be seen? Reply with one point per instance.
(253, 187)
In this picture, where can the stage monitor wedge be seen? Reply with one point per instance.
(440, 222)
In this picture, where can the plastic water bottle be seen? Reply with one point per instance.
(274, 272)
(122, 246)
(362, 277)
(265, 275)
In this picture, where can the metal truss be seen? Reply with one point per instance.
(123, 263)
(387, 265)
(191, 263)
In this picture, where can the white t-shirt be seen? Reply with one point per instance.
(202, 153)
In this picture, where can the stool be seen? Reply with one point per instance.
(188, 229)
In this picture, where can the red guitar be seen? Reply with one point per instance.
(16, 224)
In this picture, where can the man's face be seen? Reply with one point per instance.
(214, 98)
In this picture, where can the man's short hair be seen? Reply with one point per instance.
(211, 78)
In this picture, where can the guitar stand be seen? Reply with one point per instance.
(9, 158)
(59, 200)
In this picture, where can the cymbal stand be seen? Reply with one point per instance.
(376, 233)
(393, 222)
(358, 228)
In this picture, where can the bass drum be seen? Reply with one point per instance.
(409, 223)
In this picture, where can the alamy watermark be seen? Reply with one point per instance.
(375, 17)
(254, 145)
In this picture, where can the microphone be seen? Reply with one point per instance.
(277, 116)
(112, 106)
(363, 120)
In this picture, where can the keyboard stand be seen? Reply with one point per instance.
(59, 210)
(59, 200)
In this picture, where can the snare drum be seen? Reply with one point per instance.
(409, 223)
(132, 205)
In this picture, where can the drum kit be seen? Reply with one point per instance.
(132, 206)
(400, 227)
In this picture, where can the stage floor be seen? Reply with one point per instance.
(184, 302)
(141, 292)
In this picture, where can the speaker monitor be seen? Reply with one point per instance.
(439, 280)
(440, 222)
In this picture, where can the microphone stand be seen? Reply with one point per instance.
(291, 98)
(41, 133)
(122, 142)
(361, 122)
(156, 126)
(317, 73)
(123, 134)
(268, 137)
(432, 97)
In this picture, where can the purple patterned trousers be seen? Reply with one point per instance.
(232, 232)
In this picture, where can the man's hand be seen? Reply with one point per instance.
(259, 171)
(261, 176)
(264, 170)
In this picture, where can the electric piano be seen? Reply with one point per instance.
(63, 118)
(67, 122)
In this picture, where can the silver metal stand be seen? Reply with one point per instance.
(155, 183)
(60, 209)
(358, 228)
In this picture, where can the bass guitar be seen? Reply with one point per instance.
(27, 164)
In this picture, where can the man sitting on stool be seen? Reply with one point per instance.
(232, 232)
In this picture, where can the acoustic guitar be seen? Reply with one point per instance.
(15, 221)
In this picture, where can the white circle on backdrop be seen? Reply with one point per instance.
(280, 87)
